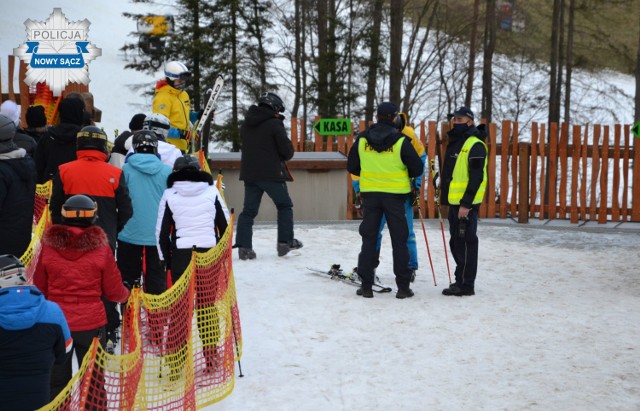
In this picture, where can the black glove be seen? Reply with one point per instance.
(357, 202)
(127, 285)
(414, 197)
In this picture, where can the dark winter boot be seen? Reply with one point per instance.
(365, 291)
(458, 291)
(246, 253)
(404, 293)
(284, 248)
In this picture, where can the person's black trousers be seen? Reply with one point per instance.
(464, 249)
(374, 206)
(62, 373)
(279, 194)
(134, 259)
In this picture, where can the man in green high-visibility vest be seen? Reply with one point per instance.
(386, 162)
(464, 179)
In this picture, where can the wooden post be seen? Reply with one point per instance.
(294, 134)
(524, 151)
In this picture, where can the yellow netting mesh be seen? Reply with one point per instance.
(178, 348)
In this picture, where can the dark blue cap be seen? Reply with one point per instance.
(387, 111)
(461, 112)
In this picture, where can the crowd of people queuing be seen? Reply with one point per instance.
(127, 214)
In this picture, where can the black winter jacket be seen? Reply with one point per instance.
(57, 149)
(265, 146)
(477, 155)
(17, 196)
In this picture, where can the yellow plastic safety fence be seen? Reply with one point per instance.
(179, 348)
(41, 221)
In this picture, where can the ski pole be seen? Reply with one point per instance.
(434, 176)
(424, 231)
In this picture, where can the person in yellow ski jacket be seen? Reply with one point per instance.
(173, 101)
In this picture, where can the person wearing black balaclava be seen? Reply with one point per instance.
(464, 179)
(59, 146)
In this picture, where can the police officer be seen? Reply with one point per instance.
(386, 161)
(464, 179)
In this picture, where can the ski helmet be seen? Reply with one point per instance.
(158, 123)
(186, 162)
(12, 271)
(145, 141)
(7, 128)
(176, 70)
(79, 210)
(92, 138)
(272, 101)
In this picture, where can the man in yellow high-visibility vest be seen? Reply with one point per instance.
(386, 161)
(464, 180)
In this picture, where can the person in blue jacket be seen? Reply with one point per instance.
(33, 335)
(146, 176)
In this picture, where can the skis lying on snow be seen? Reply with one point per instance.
(336, 273)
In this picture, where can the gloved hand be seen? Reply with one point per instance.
(127, 285)
(357, 202)
(414, 197)
(174, 133)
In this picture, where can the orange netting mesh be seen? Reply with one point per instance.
(178, 348)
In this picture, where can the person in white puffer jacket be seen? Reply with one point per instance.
(192, 214)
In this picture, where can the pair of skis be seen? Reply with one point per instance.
(336, 273)
(207, 114)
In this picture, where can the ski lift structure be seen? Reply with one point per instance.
(153, 30)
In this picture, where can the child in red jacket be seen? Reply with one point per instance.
(76, 268)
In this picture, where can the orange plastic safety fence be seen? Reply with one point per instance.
(41, 221)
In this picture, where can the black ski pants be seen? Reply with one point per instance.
(253, 191)
(134, 260)
(464, 249)
(62, 373)
(374, 206)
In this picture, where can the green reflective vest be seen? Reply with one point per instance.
(460, 178)
(383, 172)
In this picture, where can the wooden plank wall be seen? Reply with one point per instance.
(557, 171)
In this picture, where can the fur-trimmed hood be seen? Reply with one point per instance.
(189, 174)
(73, 242)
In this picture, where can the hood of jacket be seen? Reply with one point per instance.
(92, 155)
(189, 175)
(21, 307)
(381, 136)
(145, 163)
(166, 87)
(22, 164)
(64, 133)
(73, 242)
(257, 115)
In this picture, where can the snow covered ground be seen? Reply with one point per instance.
(553, 325)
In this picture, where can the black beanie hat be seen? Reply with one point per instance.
(36, 117)
(136, 122)
(71, 111)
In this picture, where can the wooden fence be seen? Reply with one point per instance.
(579, 173)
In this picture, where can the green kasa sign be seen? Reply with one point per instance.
(333, 126)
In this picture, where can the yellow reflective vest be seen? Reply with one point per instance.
(460, 178)
(383, 171)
